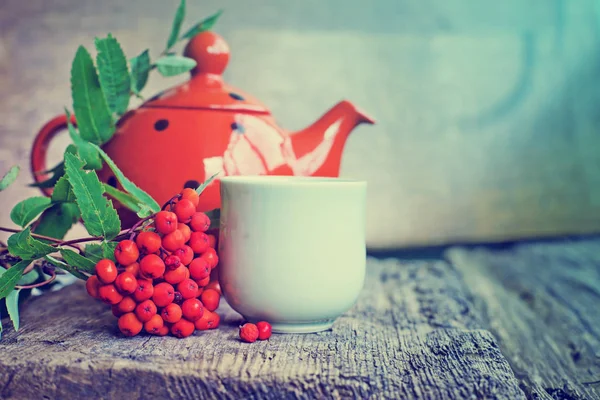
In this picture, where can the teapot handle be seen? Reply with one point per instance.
(40, 148)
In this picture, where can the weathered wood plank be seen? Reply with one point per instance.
(412, 334)
(541, 302)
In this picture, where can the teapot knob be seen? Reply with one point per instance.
(210, 51)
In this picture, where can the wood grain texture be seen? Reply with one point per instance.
(412, 334)
(541, 302)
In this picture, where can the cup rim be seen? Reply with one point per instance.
(285, 180)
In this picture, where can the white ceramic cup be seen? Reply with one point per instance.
(292, 249)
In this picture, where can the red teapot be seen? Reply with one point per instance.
(187, 133)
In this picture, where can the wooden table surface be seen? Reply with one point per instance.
(511, 324)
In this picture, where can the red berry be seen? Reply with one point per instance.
(92, 285)
(145, 310)
(185, 254)
(134, 269)
(214, 285)
(173, 240)
(178, 298)
(106, 270)
(188, 289)
(126, 282)
(127, 305)
(191, 195)
(144, 291)
(192, 309)
(209, 320)
(212, 241)
(152, 266)
(116, 312)
(249, 332)
(148, 242)
(210, 298)
(199, 268)
(154, 325)
(175, 276)
(129, 325)
(172, 262)
(184, 209)
(126, 252)
(171, 313)
(200, 290)
(199, 242)
(187, 273)
(200, 222)
(163, 294)
(203, 282)
(210, 255)
(264, 330)
(182, 328)
(165, 221)
(109, 294)
(186, 231)
(163, 331)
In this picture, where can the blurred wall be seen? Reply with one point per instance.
(488, 111)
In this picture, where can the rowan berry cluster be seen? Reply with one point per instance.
(160, 282)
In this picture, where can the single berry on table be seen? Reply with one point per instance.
(210, 298)
(249, 332)
(126, 252)
(199, 242)
(152, 266)
(264, 330)
(173, 240)
(188, 289)
(144, 291)
(199, 268)
(148, 242)
(106, 271)
(129, 325)
(200, 222)
(184, 209)
(154, 325)
(126, 282)
(145, 310)
(171, 313)
(182, 328)
(164, 293)
(109, 294)
(165, 222)
(192, 309)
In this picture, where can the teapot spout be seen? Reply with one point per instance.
(317, 150)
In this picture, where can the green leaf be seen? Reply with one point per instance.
(63, 192)
(29, 278)
(78, 261)
(215, 218)
(11, 276)
(174, 65)
(57, 220)
(108, 250)
(144, 211)
(99, 216)
(66, 267)
(94, 119)
(124, 198)
(84, 148)
(204, 184)
(113, 72)
(9, 177)
(23, 245)
(97, 252)
(129, 186)
(176, 28)
(202, 26)
(12, 306)
(25, 211)
(140, 69)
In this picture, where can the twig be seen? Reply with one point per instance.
(171, 201)
(47, 281)
(131, 230)
(42, 237)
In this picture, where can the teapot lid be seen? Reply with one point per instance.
(206, 89)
